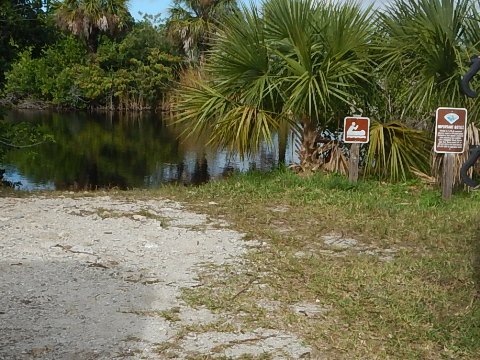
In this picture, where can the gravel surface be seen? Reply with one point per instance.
(97, 277)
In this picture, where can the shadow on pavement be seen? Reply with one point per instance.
(76, 310)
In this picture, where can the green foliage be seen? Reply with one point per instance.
(286, 66)
(23, 24)
(133, 84)
(134, 73)
(48, 77)
(395, 149)
(54, 76)
(325, 56)
(93, 81)
(424, 47)
(22, 77)
(146, 34)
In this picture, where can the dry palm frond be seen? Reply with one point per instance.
(86, 18)
(437, 167)
(442, 27)
(472, 139)
(328, 157)
(308, 150)
(425, 178)
(335, 161)
(473, 135)
(191, 76)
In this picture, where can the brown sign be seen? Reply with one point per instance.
(450, 130)
(356, 130)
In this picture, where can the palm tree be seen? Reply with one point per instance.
(303, 63)
(192, 22)
(425, 46)
(88, 18)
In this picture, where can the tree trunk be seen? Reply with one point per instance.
(92, 42)
(308, 152)
(282, 141)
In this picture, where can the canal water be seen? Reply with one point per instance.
(113, 150)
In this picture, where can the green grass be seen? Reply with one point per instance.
(422, 304)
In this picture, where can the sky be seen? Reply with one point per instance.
(153, 7)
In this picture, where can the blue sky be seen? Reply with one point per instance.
(151, 7)
(154, 7)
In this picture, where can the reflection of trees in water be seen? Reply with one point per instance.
(89, 178)
(125, 150)
(92, 178)
(181, 171)
(199, 175)
(98, 151)
(266, 156)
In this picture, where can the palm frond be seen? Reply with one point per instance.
(323, 59)
(426, 41)
(244, 129)
(245, 70)
(395, 149)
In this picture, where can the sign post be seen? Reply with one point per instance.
(356, 131)
(450, 134)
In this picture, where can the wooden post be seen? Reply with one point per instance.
(448, 175)
(353, 163)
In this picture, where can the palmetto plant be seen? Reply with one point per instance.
(300, 62)
(423, 50)
(424, 47)
(395, 150)
(88, 18)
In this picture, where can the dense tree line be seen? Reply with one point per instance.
(87, 53)
(93, 54)
(240, 75)
(23, 23)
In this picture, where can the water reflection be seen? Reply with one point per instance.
(119, 150)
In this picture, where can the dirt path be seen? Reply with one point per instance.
(100, 278)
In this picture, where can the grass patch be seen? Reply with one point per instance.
(172, 315)
(421, 303)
